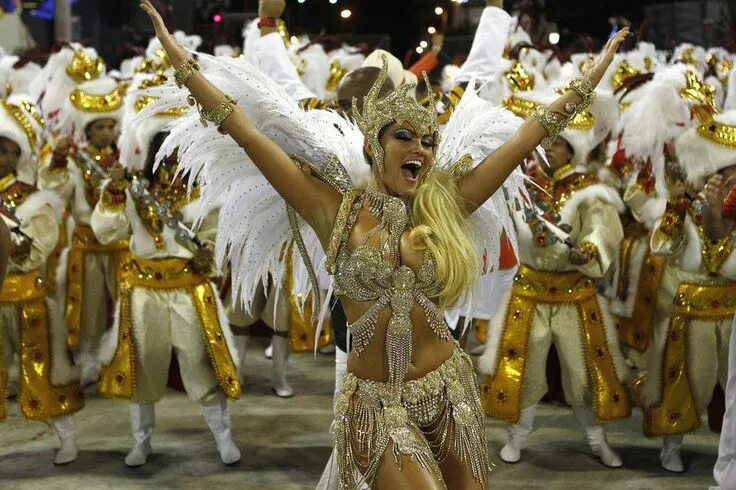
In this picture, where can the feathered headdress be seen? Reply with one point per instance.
(398, 106)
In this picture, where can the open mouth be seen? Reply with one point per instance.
(410, 170)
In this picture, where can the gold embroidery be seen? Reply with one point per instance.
(117, 379)
(302, 330)
(144, 100)
(636, 332)
(84, 68)
(502, 392)
(719, 133)
(22, 119)
(84, 242)
(217, 348)
(676, 413)
(519, 79)
(38, 398)
(98, 103)
(623, 72)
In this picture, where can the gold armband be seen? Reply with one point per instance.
(218, 113)
(554, 122)
(185, 72)
(584, 88)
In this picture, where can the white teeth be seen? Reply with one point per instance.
(413, 162)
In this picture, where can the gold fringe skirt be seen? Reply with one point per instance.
(435, 416)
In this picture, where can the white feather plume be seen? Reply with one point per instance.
(477, 128)
(253, 224)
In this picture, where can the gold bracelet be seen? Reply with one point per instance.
(185, 72)
(218, 113)
(584, 87)
(552, 122)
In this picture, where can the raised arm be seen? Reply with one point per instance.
(314, 200)
(484, 180)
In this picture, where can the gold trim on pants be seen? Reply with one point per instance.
(39, 399)
(302, 330)
(84, 242)
(636, 332)
(501, 393)
(117, 379)
(676, 412)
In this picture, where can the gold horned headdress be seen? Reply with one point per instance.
(399, 106)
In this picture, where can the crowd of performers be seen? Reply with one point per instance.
(620, 253)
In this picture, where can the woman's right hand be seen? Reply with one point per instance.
(176, 53)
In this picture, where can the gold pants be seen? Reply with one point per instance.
(433, 416)
(25, 328)
(163, 305)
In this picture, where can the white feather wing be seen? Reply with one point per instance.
(253, 225)
(477, 128)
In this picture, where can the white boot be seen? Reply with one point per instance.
(66, 430)
(517, 436)
(281, 352)
(268, 351)
(597, 438)
(217, 416)
(142, 422)
(670, 455)
(241, 343)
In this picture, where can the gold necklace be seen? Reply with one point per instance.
(393, 215)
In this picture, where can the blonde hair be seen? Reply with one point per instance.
(441, 225)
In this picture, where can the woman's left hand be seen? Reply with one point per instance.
(596, 72)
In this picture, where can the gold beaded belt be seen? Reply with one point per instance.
(22, 287)
(160, 273)
(84, 239)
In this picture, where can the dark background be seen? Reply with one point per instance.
(398, 25)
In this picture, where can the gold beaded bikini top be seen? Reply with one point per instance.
(364, 274)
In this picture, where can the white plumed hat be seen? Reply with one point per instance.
(97, 99)
(21, 122)
(138, 132)
(708, 147)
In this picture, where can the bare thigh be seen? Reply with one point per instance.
(411, 474)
